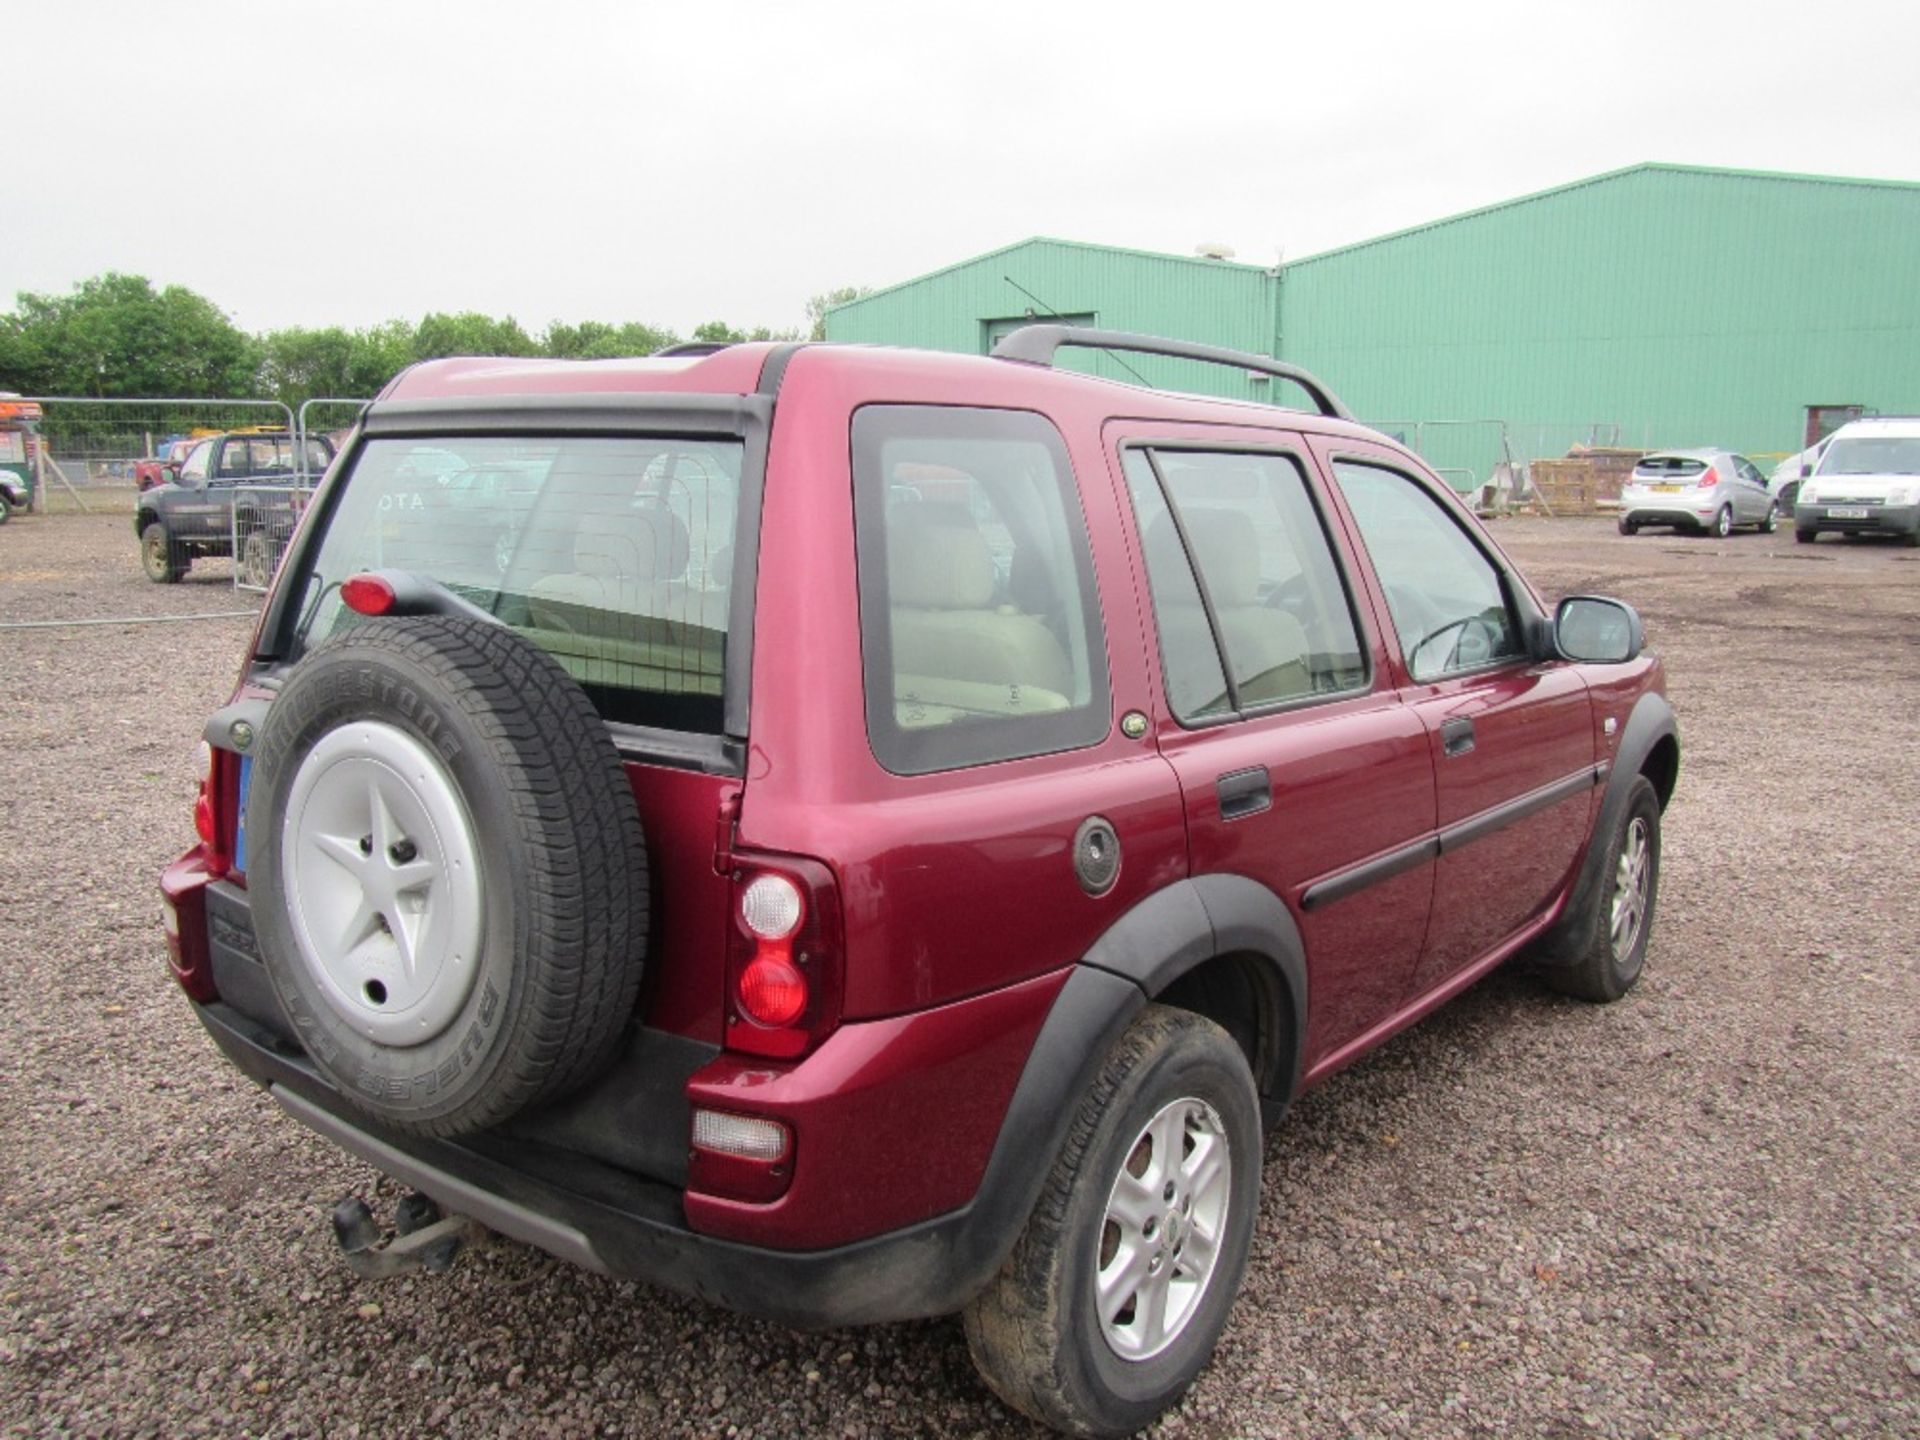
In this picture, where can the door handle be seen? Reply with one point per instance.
(1244, 792)
(1456, 735)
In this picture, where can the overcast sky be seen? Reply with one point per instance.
(345, 163)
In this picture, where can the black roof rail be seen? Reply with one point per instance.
(1035, 344)
(692, 347)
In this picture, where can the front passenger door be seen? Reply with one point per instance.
(1511, 738)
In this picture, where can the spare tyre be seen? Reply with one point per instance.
(448, 877)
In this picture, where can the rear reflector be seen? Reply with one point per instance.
(740, 1157)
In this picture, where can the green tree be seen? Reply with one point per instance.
(718, 332)
(597, 340)
(818, 306)
(470, 333)
(115, 335)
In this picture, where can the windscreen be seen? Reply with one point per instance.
(1872, 455)
(614, 555)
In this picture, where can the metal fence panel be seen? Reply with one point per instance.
(86, 446)
(264, 517)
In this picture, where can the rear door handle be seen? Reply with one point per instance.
(1456, 735)
(1244, 792)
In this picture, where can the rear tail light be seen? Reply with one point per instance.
(215, 809)
(742, 1157)
(183, 913)
(783, 975)
(1708, 480)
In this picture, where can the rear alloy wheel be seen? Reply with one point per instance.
(1629, 527)
(1768, 525)
(159, 556)
(1118, 1289)
(1723, 523)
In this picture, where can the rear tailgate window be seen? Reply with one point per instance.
(614, 555)
(1670, 469)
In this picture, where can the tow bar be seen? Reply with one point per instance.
(423, 1238)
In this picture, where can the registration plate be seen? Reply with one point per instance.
(1847, 512)
(1665, 489)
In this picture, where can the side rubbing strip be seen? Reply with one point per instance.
(1478, 827)
(1370, 872)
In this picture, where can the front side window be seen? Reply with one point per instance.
(1274, 604)
(612, 554)
(197, 461)
(979, 619)
(1448, 601)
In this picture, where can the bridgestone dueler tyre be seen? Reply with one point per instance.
(448, 876)
(1037, 1333)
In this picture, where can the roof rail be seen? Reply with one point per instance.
(692, 347)
(1035, 344)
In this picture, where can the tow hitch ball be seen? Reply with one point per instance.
(423, 1238)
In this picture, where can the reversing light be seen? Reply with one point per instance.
(771, 907)
(745, 1137)
(367, 594)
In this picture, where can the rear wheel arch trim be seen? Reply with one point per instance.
(1195, 921)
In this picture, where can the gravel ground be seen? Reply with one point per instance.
(1692, 1213)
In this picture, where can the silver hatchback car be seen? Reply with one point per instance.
(1707, 491)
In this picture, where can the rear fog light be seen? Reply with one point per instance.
(740, 1157)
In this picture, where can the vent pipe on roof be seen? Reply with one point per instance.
(1213, 250)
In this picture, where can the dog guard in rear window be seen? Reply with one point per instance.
(613, 554)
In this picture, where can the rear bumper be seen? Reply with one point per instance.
(1645, 512)
(1878, 519)
(614, 1222)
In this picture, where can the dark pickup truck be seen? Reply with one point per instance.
(193, 515)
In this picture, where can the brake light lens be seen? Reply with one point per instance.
(1708, 480)
(367, 594)
(215, 807)
(783, 987)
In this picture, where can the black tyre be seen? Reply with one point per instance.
(449, 880)
(1723, 523)
(1117, 1291)
(160, 556)
(6, 510)
(1605, 963)
(1773, 519)
(1629, 527)
(1805, 537)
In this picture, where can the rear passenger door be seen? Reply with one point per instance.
(1511, 738)
(1299, 766)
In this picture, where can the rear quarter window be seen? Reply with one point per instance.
(979, 618)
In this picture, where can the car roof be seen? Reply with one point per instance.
(1703, 453)
(742, 369)
(1901, 427)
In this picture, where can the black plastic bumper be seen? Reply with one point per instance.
(620, 1224)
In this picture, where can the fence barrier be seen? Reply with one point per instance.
(264, 517)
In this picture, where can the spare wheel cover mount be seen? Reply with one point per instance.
(383, 883)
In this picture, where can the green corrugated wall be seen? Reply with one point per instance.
(1687, 306)
(1220, 302)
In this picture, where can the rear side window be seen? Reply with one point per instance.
(979, 619)
(1274, 607)
(615, 555)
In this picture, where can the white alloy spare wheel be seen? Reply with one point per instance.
(448, 878)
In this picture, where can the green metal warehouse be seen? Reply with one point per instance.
(1656, 305)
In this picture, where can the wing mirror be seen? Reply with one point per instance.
(1597, 630)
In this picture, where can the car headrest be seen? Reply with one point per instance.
(639, 543)
(937, 559)
(1228, 554)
